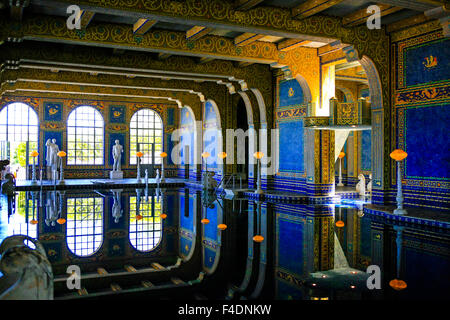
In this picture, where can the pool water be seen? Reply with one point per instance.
(266, 250)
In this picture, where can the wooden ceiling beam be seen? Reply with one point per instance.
(163, 56)
(330, 48)
(405, 23)
(312, 7)
(247, 38)
(141, 26)
(243, 5)
(359, 17)
(290, 44)
(197, 32)
(86, 17)
(417, 5)
(204, 60)
(243, 64)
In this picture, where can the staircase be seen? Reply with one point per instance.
(128, 282)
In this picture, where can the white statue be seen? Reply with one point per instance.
(117, 207)
(369, 185)
(361, 186)
(53, 161)
(117, 151)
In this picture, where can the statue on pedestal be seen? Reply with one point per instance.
(52, 159)
(361, 186)
(117, 151)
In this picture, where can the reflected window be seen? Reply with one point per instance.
(145, 234)
(85, 136)
(84, 225)
(146, 135)
(18, 136)
(26, 210)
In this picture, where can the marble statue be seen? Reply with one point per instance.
(117, 151)
(53, 161)
(27, 273)
(361, 185)
(117, 155)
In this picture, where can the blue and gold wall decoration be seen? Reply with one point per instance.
(53, 111)
(290, 93)
(289, 113)
(116, 114)
(426, 139)
(423, 60)
(422, 101)
(366, 150)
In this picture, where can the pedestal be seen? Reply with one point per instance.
(113, 175)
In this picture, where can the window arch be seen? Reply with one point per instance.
(145, 234)
(19, 127)
(145, 133)
(84, 225)
(85, 137)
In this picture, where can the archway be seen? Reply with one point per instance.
(19, 127)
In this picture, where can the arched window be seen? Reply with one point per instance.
(18, 135)
(85, 136)
(84, 225)
(146, 136)
(145, 234)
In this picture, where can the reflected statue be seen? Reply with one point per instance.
(27, 273)
(117, 206)
(158, 177)
(52, 212)
(117, 151)
(361, 185)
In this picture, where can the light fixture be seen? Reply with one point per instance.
(222, 226)
(397, 284)
(222, 155)
(204, 221)
(139, 155)
(61, 154)
(61, 221)
(398, 155)
(34, 154)
(258, 155)
(341, 155)
(163, 216)
(163, 155)
(258, 238)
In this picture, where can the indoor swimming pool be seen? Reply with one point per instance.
(169, 243)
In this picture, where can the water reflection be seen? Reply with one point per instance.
(145, 221)
(84, 225)
(305, 251)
